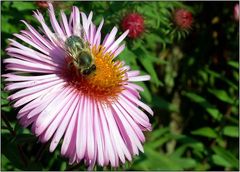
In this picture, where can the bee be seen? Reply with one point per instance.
(81, 55)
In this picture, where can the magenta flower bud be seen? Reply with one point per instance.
(183, 18)
(236, 12)
(133, 22)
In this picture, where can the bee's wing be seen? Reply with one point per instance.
(63, 46)
(83, 34)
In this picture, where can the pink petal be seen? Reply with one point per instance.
(50, 112)
(38, 36)
(114, 46)
(126, 131)
(139, 78)
(133, 73)
(71, 130)
(110, 38)
(76, 22)
(127, 94)
(110, 154)
(65, 24)
(81, 138)
(90, 134)
(98, 33)
(55, 124)
(119, 50)
(134, 112)
(99, 135)
(54, 21)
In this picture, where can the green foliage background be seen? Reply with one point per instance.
(193, 91)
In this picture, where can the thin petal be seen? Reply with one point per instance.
(98, 33)
(81, 138)
(110, 38)
(108, 143)
(139, 78)
(127, 94)
(55, 124)
(90, 134)
(65, 24)
(71, 130)
(114, 46)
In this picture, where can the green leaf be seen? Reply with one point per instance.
(159, 142)
(153, 160)
(189, 141)
(149, 67)
(202, 166)
(158, 133)
(218, 160)
(146, 93)
(7, 27)
(203, 75)
(4, 94)
(185, 163)
(163, 104)
(226, 155)
(178, 152)
(4, 102)
(205, 104)
(63, 166)
(221, 95)
(152, 40)
(6, 108)
(221, 77)
(231, 131)
(21, 6)
(128, 56)
(206, 132)
(234, 64)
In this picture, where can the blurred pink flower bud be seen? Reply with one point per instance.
(236, 12)
(42, 4)
(133, 22)
(183, 18)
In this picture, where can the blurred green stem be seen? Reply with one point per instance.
(175, 124)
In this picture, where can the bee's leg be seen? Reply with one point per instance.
(82, 33)
(86, 72)
(90, 70)
(93, 67)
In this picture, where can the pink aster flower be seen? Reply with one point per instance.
(78, 94)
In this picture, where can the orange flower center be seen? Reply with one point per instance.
(103, 84)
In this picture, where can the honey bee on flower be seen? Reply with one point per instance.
(80, 52)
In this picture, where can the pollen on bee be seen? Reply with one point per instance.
(105, 83)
